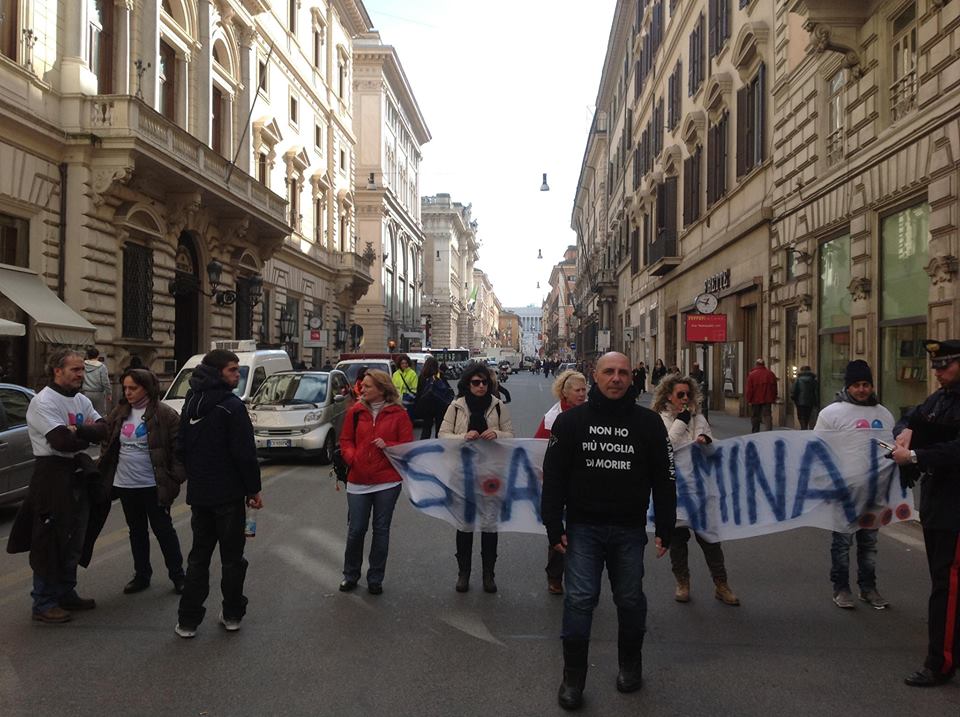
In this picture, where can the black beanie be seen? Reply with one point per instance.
(857, 371)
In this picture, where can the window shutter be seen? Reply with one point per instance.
(760, 102)
(687, 190)
(671, 218)
(722, 159)
(713, 28)
(695, 191)
(635, 251)
(742, 133)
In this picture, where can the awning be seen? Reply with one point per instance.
(11, 328)
(56, 323)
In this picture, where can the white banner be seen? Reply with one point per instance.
(735, 488)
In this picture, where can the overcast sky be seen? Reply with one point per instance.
(507, 90)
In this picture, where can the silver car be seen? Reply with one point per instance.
(16, 455)
(300, 413)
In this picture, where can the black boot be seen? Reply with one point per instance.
(488, 554)
(630, 653)
(575, 652)
(464, 559)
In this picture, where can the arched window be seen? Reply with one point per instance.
(223, 89)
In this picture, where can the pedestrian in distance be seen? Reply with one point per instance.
(570, 388)
(376, 421)
(696, 373)
(219, 455)
(856, 408)
(477, 414)
(927, 445)
(433, 396)
(604, 459)
(642, 378)
(327, 366)
(96, 382)
(677, 400)
(54, 522)
(405, 381)
(805, 395)
(761, 394)
(659, 371)
(140, 462)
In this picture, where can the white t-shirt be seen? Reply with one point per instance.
(845, 416)
(134, 467)
(49, 409)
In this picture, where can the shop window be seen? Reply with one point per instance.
(903, 307)
(834, 311)
(137, 292)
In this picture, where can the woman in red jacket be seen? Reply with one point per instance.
(571, 390)
(372, 483)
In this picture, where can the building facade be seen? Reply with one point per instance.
(683, 206)
(147, 200)
(560, 339)
(510, 333)
(865, 232)
(484, 306)
(450, 252)
(390, 132)
(531, 329)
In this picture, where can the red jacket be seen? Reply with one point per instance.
(761, 386)
(368, 464)
(542, 430)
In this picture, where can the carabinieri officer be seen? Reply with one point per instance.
(928, 443)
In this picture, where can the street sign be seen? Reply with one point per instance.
(706, 328)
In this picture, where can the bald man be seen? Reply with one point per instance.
(604, 459)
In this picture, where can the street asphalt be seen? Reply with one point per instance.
(420, 648)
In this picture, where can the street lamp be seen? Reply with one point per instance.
(288, 328)
(544, 187)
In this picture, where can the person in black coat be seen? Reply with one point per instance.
(928, 444)
(433, 396)
(219, 455)
(604, 459)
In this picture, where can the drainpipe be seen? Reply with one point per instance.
(62, 260)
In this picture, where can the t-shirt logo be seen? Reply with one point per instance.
(877, 423)
(74, 419)
(130, 429)
(862, 423)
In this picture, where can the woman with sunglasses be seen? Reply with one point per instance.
(476, 414)
(677, 400)
(571, 390)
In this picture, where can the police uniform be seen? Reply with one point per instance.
(935, 453)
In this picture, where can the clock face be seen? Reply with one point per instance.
(315, 322)
(706, 303)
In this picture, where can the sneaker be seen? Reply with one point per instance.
(843, 599)
(229, 625)
(185, 632)
(876, 600)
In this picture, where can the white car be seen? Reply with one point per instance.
(300, 413)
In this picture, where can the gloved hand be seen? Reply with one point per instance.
(909, 475)
(684, 415)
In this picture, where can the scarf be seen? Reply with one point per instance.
(478, 405)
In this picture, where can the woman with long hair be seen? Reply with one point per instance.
(677, 400)
(659, 371)
(477, 414)
(433, 396)
(140, 462)
(570, 388)
(373, 484)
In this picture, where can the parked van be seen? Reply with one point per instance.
(255, 366)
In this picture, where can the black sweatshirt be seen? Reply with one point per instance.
(603, 460)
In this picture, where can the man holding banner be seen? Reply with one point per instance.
(930, 443)
(602, 462)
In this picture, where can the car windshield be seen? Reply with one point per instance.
(293, 389)
(353, 369)
(181, 384)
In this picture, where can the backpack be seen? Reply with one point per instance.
(340, 467)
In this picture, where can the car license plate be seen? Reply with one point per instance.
(279, 443)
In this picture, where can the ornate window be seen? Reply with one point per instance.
(100, 44)
(167, 74)
(835, 117)
(751, 117)
(717, 159)
(903, 91)
(696, 70)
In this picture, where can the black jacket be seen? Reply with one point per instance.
(806, 392)
(603, 460)
(216, 442)
(936, 439)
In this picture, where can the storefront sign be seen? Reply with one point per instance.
(603, 340)
(706, 328)
(717, 282)
(315, 339)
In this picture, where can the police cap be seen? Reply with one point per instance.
(942, 352)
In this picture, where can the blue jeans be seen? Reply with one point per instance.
(359, 506)
(589, 548)
(866, 560)
(49, 590)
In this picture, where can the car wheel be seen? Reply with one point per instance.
(326, 455)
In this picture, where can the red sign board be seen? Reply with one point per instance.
(706, 328)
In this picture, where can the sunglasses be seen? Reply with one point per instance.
(478, 382)
(682, 394)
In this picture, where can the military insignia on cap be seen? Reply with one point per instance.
(932, 346)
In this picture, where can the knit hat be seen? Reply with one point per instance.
(857, 371)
